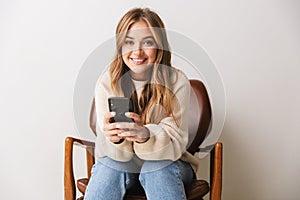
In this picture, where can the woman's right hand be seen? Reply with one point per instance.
(110, 130)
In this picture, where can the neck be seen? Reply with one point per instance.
(141, 76)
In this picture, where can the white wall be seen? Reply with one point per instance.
(254, 44)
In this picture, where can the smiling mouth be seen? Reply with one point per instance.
(138, 61)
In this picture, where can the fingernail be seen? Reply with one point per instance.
(113, 113)
(118, 126)
(127, 114)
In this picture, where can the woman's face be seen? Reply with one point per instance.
(139, 50)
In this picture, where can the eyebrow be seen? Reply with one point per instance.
(142, 38)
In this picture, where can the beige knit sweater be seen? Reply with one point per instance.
(168, 139)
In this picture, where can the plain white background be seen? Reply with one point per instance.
(254, 44)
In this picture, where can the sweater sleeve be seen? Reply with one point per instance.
(169, 137)
(120, 152)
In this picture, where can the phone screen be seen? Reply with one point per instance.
(120, 105)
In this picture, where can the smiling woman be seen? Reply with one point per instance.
(150, 152)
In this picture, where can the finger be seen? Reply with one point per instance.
(136, 117)
(135, 139)
(127, 134)
(132, 139)
(109, 127)
(125, 125)
(108, 116)
(114, 132)
(115, 138)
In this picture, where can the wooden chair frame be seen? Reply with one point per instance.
(216, 160)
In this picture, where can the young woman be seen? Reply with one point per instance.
(151, 151)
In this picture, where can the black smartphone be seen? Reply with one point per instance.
(120, 105)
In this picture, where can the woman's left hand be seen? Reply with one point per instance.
(136, 131)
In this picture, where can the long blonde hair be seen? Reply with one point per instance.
(159, 89)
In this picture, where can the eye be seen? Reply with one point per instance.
(129, 42)
(148, 43)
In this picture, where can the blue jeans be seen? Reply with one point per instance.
(163, 180)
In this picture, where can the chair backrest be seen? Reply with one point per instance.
(199, 112)
(199, 115)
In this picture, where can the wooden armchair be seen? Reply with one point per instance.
(199, 124)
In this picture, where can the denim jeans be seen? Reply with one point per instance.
(163, 180)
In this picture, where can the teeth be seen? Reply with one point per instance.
(137, 60)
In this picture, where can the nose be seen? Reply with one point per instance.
(138, 50)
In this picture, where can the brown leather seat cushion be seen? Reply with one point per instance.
(196, 189)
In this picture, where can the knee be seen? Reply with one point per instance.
(159, 170)
(105, 173)
(165, 182)
(105, 181)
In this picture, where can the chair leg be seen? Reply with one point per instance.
(69, 182)
(90, 160)
(216, 171)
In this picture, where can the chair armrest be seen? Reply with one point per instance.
(69, 181)
(216, 159)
